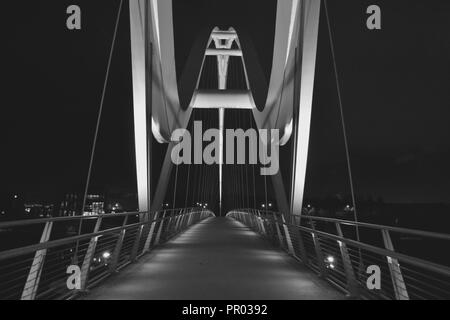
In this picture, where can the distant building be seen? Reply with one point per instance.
(70, 206)
(38, 210)
(95, 205)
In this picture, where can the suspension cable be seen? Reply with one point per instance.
(100, 111)
(99, 117)
(341, 109)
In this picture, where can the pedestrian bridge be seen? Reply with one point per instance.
(231, 253)
(192, 254)
(218, 259)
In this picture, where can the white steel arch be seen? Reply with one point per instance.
(287, 107)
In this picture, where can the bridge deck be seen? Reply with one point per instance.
(216, 259)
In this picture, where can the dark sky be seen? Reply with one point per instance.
(395, 86)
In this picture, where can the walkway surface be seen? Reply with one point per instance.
(217, 259)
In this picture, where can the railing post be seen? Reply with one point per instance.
(288, 236)
(257, 221)
(255, 224)
(182, 221)
(301, 247)
(137, 240)
(179, 219)
(319, 255)
(401, 293)
(300, 242)
(352, 284)
(118, 248)
(169, 225)
(158, 235)
(89, 255)
(34, 276)
(150, 234)
(277, 227)
(318, 250)
(189, 220)
(261, 222)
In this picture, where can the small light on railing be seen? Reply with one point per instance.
(106, 255)
(270, 204)
(330, 260)
(263, 205)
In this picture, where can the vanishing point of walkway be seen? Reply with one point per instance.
(217, 259)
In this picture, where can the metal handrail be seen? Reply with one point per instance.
(55, 243)
(26, 222)
(416, 232)
(38, 270)
(416, 278)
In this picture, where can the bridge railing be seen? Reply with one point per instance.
(57, 258)
(409, 264)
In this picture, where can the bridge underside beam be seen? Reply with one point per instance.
(228, 99)
(223, 52)
(224, 35)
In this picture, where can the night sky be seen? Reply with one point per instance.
(395, 86)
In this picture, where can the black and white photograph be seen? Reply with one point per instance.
(225, 158)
